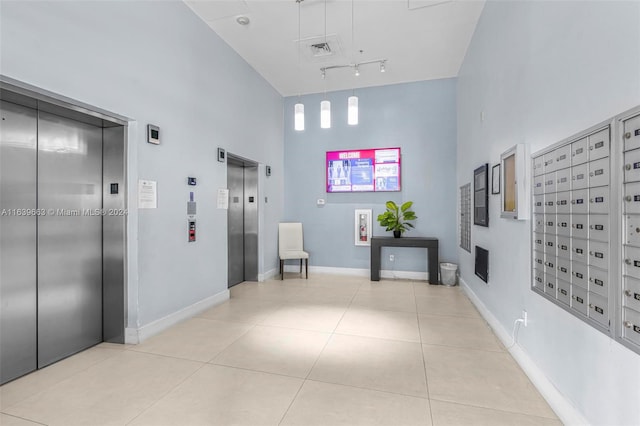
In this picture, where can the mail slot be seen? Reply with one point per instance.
(599, 145)
(599, 227)
(564, 292)
(598, 309)
(631, 266)
(563, 247)
(599, 200)
(580, 275)
(538, 241)
(563, 202)
(550, 203)
(631, 134)
(550, 284)
(538, 223)
(579, 299)
(631, 293)
(538, 166)
(538, 185)
(599, 172)
(631, 325)
(632, 166)
(599, 254)
(549, 245)
(579, 152)
(580, 201)
(599, 281)
(538, 203)
(563, 157)
(549, 163)
(549, 182)
(563, 270)
(631, 198)
(538, 280)
(563, 224)
(580, 226)
(579, 252)
(580, 176)
(632, 229)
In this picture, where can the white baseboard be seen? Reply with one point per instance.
(402, 275)
(567, 413)
(138, 335)
(267, 275)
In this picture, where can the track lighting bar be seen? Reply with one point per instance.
(356, 66)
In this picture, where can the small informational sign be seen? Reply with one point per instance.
(147, 194)
(223, 198)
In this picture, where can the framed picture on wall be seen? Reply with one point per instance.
(495, 179)
(363, 227)
(481, 195)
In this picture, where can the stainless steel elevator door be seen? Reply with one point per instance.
(18, 329)
(235, 223)
(69, 237)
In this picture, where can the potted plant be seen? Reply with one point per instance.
(396, 218)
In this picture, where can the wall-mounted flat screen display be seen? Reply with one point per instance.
(363, 170)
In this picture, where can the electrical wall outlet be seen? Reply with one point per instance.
(392, 258)
(524, 318)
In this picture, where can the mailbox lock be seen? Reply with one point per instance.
(627, 324)
(591, 305)
(590, 253)
(591, 148)
(627, 198)
(590, 226)
(573, 297)
(627, 293)
(627, 135)
(573, 201)
(591, 200)
(628, 166)
(627, 261)
(590, 279)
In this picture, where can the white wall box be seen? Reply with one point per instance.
(515, 179)
(586, 227)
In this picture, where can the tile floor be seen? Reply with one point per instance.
(331, 350)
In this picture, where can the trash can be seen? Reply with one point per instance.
(449, 274)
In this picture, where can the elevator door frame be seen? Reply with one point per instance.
(114, 227)
(250, 218)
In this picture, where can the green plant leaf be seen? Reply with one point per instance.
(406, 206)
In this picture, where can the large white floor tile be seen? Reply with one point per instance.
(6, 420)
(112, 392)
(385, 365)
(396, 286)
(196, 339)
(454, 304)
(321, 295)
(450, 414)
(250, 311)
(313, 317)
(218, 395)
(462, 332)
(40, 380)
(275, 350)
(321, 404)
(385, 300)
(481, 378)
(359, 321)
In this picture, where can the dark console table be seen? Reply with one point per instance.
(431, 244)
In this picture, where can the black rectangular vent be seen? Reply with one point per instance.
(482, 264)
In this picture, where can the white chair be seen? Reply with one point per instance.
(290, 246)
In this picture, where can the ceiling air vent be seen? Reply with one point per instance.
(320, 49)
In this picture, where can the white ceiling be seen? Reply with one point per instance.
(420, 39)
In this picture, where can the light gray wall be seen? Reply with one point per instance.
(419, 118)
(156, 62)
(540, 72)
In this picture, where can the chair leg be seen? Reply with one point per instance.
(306, 264)
(281, 270)
(300, 265)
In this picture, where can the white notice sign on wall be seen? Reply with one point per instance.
(223, 199)
(147, 194)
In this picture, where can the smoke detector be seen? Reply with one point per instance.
(243, 20)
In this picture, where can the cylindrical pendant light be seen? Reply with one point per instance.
(298, 116)
(352, 110)
(325, 114)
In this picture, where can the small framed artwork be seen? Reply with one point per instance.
(481, 195)
(495, 179)
(363, 227)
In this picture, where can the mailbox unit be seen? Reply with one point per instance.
(586, 226)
